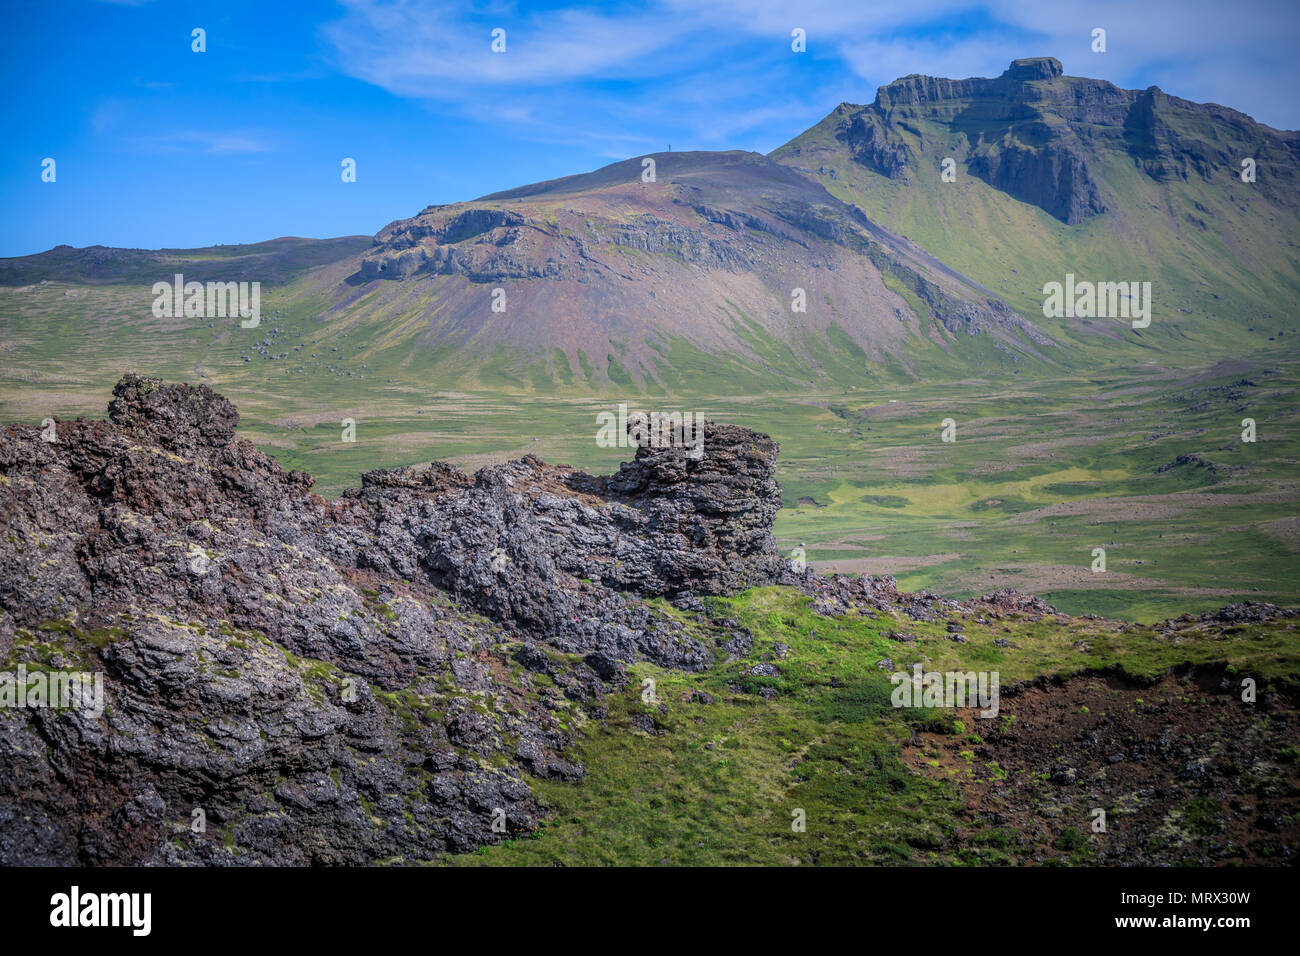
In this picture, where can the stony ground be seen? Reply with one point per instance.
(1184, 770)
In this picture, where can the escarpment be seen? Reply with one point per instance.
(1039, 135)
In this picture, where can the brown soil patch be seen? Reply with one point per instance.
(881, 565)
(1186, 772)
(1038, 578)
(1285, 529)
(855, 541)
(1153, 507)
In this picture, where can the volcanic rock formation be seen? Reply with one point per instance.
(314, 681)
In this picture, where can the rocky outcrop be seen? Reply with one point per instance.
(449, 240)
(294, 680)
(486, 244)
(545, 548)
(872, 143)
(1054, 177)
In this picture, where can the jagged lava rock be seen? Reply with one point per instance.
(313, 675)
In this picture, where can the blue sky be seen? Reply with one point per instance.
(159, 146)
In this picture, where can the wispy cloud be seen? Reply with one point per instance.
(219, 142)
(128, 123)
(421, 49)
(729, 61)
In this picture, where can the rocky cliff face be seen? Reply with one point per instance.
(331, 681)
(1037, 134)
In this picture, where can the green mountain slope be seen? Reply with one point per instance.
(1058, 175)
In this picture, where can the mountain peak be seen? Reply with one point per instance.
(1034, 68)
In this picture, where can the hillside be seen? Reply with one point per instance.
(608, 280)
(274, 262)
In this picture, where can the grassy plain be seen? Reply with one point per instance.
(1042, 470)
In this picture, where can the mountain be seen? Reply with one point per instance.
(1057, 174)
(274, 261)
(611, 279)
(843, 259)
(637, 282)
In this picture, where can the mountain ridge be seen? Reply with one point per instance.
(1049, 174)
